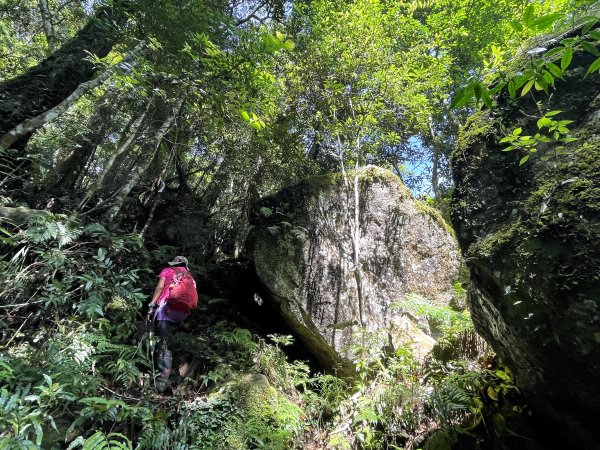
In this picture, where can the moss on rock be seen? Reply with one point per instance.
(531, 235)
(247, 413)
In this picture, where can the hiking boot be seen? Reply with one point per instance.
(161, 383)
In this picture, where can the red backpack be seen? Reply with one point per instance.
(182, 291)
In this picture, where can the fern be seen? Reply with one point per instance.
(121, 360)
(94, 228)
(102, 441)
(49, 227)
(8, 158)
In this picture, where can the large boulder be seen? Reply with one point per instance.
(530, 235)
(301, 248)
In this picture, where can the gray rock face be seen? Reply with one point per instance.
(531, 238)
(302, 251)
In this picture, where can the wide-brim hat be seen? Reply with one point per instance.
(179, 260)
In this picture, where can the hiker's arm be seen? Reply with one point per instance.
(157, 290)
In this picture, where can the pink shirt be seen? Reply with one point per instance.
(164, 312)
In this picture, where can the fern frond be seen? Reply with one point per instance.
(101, 441)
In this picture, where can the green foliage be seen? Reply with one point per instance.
(63, 267)
(51, 259)
(443, 319)
(465, 400)
(265, 103)
(557, 133)
(21, 421)
(102, 441)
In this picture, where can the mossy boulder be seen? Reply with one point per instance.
(530, 235)
(246, 413)
(302, 252)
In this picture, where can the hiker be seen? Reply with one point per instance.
(174, 296)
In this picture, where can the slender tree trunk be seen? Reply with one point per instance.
(63, 177)
(135, 176)
(159, 188)
(47, 24)
(353, 219)
(46, 85)
(358, 275)
(435, 144)
(67, 172)
(131, 132)
(315, 148)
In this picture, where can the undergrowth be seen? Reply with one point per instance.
(76, 367)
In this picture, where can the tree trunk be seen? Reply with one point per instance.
(46, 85)
(27, 127)
(128, 138)
(137, 172)
(435, 144)
(63, 177)
(47, 24)
(353, 219)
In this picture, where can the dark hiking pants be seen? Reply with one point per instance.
(163, 357)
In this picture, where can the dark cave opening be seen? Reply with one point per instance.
(242, 300)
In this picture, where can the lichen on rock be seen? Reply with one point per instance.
(302, 252)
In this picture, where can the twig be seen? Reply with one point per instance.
(17, 332)
(18, 305)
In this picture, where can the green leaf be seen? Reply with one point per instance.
(463, 97)
(553, 51)
(593, 67)
(528, 16)
(591, 21)
(502, 375)
(554, 69)
(544, 22)
(522, 161)
(516, 25)
(511, 89)
(245, 115)
(477, 88)
(566, 58)
(517, 131)
(497, 88)
(595, 35)
(289, 45)
(590, 48)
(543, 122)
(540, 84)
(485, 96)
(527, 87)
(553, 113)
